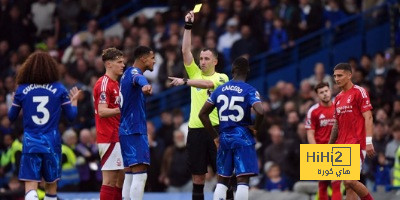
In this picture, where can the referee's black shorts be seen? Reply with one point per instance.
(201, 151)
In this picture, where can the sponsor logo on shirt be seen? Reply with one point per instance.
(344, 109)
(326, 122)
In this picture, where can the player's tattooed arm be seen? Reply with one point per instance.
(334, 133)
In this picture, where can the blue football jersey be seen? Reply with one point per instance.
(133, 102)
(234, 101)
(42, 106)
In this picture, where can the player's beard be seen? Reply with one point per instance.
(326, 101)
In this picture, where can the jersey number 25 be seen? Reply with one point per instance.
(231, 107)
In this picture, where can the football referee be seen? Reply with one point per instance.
(203, 80)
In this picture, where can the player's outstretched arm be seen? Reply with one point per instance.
(104, 111)
(147, 90)
(198, 83)
(368, 119)
(140, 80)
(205, 119)
(334, 133)
(187, 40)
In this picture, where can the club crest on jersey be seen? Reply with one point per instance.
(135, 71)
(349, 99)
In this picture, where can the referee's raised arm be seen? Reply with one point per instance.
(187, 39)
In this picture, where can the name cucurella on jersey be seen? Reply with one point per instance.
(35, 86)
(233, 88)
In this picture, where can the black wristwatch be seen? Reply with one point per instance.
(185, 80)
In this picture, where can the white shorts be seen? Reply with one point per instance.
(111, 157)
(363, 153)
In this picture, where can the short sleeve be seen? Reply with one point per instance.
(219, 80)
(363, 100)
(334, 108)
(254, 97)
(310, 124)
(192, 69)
(212, 98)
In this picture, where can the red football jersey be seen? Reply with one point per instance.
(320, 119)
(106, 91)
(349, 107)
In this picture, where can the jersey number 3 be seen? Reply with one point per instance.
(43, 100)
(232, 107)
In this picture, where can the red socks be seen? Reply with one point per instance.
(117, 193)
(336, 193)
(106, 192)
(367, 197)
(322, 192)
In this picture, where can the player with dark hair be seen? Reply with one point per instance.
(354, 123)
(107, 115)
(203, 80)
(319, 123)
(42, 100)
(133, 130)
(236, 144)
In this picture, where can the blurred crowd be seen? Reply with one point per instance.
(235, 28)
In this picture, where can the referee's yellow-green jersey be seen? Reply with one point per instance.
(199, 96)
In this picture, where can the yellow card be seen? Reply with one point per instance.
(197, 8)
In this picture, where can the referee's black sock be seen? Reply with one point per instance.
(198, 193)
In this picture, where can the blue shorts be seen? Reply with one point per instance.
(34, 166)
(135, 149)
(242, 159)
